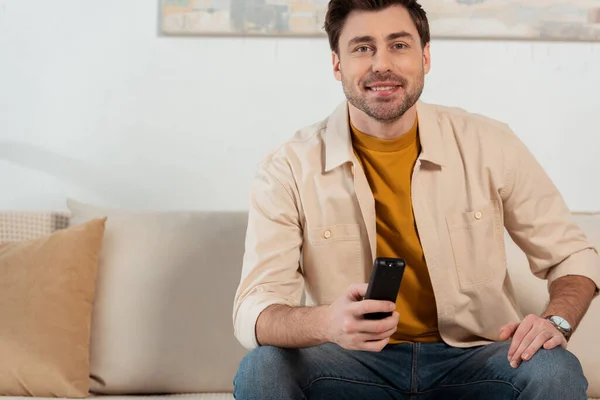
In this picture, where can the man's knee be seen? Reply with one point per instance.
(263, 371)
(556, 370)
(258, 365)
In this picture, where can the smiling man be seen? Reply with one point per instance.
(387, 175)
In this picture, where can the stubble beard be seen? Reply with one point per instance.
(385, 110)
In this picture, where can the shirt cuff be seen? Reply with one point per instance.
(583, 263)
(247, 316)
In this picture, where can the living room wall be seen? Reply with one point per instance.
(96, 105)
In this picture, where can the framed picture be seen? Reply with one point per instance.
(244, 17)
(577, 20)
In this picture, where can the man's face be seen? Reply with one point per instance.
(381, 62)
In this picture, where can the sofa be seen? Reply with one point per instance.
(160, 323)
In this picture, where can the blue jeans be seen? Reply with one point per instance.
(408, 371)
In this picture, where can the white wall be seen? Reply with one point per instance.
(96, 105)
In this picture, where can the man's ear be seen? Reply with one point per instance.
(337, 66)
(427, 58)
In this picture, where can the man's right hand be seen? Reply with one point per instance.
(348, 328)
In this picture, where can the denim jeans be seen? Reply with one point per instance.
(408, 371)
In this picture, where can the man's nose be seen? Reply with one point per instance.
(382, 61)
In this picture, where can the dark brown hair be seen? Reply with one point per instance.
(339, 10)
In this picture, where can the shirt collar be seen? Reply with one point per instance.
(338, 139)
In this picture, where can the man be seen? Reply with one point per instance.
(387, 175)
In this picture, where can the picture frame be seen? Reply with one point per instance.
(555, 20)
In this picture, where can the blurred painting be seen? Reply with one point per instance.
(495, 19)
(516, 19)
(244, 17)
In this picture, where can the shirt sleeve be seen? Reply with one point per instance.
(270, 270)
(540, 223)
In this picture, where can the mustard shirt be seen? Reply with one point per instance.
(388, 166)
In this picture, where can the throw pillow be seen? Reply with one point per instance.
(162, 316)
(47, 288)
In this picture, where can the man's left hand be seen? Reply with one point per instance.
(529, 336)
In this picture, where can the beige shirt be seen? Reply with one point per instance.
(311, 225)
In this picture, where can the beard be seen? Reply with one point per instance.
(384, 110)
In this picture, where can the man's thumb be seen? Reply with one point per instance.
(357, 291)
(508, 330)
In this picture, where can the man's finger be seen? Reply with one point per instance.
(375, 345)
(522, 330)
(370, 337)
(529, 338)
(357, 291)
(537, 343)
(507, 331)
(555, 341)
(377, 326)
(363, 307)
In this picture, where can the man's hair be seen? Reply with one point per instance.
(339, 10)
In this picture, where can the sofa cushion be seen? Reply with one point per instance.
(532, 296)
(47, 288)
(162, 316)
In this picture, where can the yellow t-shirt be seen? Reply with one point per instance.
(388, 165)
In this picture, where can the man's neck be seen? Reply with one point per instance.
(371, 127)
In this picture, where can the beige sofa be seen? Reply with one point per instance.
(162, 323)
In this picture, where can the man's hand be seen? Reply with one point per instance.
(348, 328)
(529, 336)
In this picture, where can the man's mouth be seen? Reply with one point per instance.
(383, 85)
(382, 88)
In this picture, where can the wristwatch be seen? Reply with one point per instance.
(562, 325)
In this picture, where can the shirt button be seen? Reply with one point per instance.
(478, 215)
(327, 234)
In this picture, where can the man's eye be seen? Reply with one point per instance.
(399, 46)
(362, 49)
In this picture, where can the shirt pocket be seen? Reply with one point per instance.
(477, 244)
(332, 260)
(327, 235)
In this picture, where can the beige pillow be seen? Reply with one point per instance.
(532, 295)
(162, 316)
(47, 288)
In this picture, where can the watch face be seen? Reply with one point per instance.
(561, 322)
